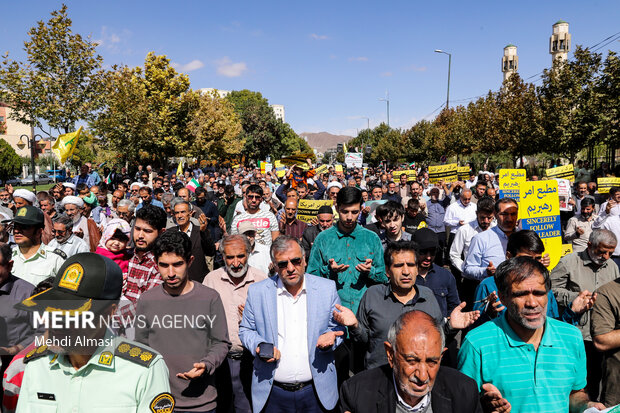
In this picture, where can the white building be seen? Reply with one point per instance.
(559, 42)
(510, 61)
(278, 110)
(221, 93)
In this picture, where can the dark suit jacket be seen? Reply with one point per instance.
(202, 246)
(308, 237)
(372, 391)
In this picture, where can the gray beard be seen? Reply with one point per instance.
(237, 274)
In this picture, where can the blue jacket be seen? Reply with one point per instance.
(260, 325)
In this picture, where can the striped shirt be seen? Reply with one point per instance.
(264, 222)
(532, 381)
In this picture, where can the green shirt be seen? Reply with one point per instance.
(121, 377)
(532, 381)
(350, 249)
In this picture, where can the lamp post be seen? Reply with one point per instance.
(367, 121)
(31, 141)
(387, 101)
(449, 64)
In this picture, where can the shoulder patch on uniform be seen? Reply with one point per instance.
(135, 353)
(60, 252)
(162, 403)
(36, 353)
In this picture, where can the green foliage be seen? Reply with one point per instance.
(61, 81)
(263, 134)
(608, 91)
(146, 111)
(10, 162)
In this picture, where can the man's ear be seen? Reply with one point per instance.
(389, 350)
(191, 259)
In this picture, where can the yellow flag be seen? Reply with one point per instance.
(180, 169)
(65, 145)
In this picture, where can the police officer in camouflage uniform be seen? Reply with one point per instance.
(90, 369)
(33, 261)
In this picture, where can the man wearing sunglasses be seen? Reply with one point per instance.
(33, 261)
(288, 325)
(267, 229)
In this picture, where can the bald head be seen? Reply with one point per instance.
(466, 197)
(290, 208)
(183, 193)
(413, 323)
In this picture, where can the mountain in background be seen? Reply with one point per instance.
(323, 141)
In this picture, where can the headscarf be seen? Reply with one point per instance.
(110, 229)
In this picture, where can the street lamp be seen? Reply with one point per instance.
(32, 145)
(387, 101)
(367, 121)
(449, 64)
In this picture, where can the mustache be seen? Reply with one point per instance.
(413, 379)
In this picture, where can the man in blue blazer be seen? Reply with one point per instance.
(293, 311)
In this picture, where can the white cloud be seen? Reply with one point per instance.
(358, 59)
(227, 68)
(415, 68)
(112, 40)
(386, 74)
(191, 66)
(319, 36)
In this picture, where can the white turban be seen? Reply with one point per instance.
(333, 184)
(69, 185)
(25, 194)
(73, 200)
(140, 185)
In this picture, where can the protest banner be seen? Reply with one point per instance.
(338, 169)
(463, 173)
(509, 182)
(564, 194)
(323, 169)
(605, 184)
(280, 169)
(447, 173)
(353, 159)
(539, 210)
(308, 209)
(411, 174)
(562, 172)
(567, 249)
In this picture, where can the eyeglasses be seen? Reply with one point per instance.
(253, 196)
(283, 264)
(59, 232)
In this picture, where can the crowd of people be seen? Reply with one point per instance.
(432, 300)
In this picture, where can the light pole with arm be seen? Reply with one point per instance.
(449, 64)
(387, 101)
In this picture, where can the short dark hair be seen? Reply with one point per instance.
(394, 248)
(158, 191)
(505, 201)
(152, 215)
(146, 188)
(389, 209)
(413, 204)
(349, 195)
(200, 190)
(256, 189)
(613, 190)
(5, 252)
(175, 242)
(524, 240)
(486, 205)
(517, 270)
(587, 202)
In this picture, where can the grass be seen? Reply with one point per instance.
(45, 187)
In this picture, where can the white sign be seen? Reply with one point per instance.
(353, 159)
(564, 192)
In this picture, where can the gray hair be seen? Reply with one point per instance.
(398, 325)
(65, 220)
(236, 237)
(166, 198)
(177, 201)
(602, 236)
(131, 207)
(282, 243)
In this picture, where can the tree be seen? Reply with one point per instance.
(568, 101)
(214, 127)
(608, 92)
(452, 127)
(61, 81)
(264, 135)
(10, 162)
(146, 111)
(519, 118)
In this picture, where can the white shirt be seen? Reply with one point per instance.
(260, 259)
(240, 209)
(43, 264)
(457, 212)
(462, 240)
(294, 364)
(73, 245)
(612, 223)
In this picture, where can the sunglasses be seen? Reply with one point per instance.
(253, 196)
(283, 264)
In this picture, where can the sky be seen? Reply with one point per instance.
(330, 62)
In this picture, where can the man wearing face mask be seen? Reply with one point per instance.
(232, 282)
(586, 271)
